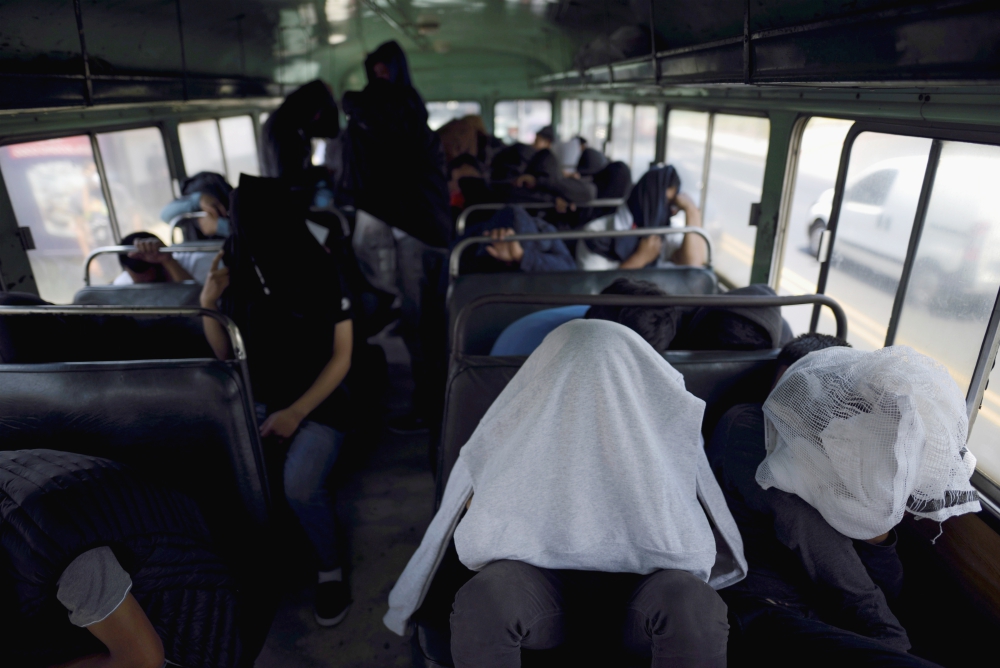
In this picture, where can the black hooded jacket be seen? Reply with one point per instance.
(649, 208)
(286, 138)
(394, 162)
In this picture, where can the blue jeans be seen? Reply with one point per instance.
(311, 456)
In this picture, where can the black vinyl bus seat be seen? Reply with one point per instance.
(97, 334)
(186, 423)
(721, 379)
(482, 334)
(143, 294)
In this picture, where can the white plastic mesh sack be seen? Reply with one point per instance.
(864, 436)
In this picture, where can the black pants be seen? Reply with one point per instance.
(671, 616)
(781, 638)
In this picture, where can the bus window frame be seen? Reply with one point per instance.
(991, 340)
(91, 135)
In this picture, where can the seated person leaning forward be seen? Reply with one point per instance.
(653, 201)
(146, 264)
(529, 256)
(817, 479)
(656, 324)
(558, 540)
(99, 567)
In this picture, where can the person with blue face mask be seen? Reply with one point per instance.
(205, 192)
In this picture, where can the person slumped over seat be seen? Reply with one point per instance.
(817, 479)
(656, 324)
(102, 568)
(146, 264)
(592, 512)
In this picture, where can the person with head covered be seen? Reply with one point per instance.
(846, 444)
(590, 511)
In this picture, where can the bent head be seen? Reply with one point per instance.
(656, 324)
(140, 270)
(544, 138)
(801, 346)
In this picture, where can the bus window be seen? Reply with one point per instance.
(519, 120)
(643, 140)
(735, 179)
(816, 174)
(239, 145)
(984, 438)
(622, 124)
(439, 113)
(883, 184)
(201, 146)
(594, 123)
(956, 269)
(135, 164)
(687, 137)
(55, 190)
(569, 119)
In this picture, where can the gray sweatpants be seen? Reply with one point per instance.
(669, 615)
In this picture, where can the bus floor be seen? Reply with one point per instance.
(385, 498)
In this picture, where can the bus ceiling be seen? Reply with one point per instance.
(57, 54)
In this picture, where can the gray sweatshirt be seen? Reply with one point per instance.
(590, 459)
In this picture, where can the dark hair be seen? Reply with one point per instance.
(138, 266)
(724, 330)
(656, 324)
(547, 133)
(804, 344)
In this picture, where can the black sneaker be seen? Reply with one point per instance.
(411, 423)
(333, 599)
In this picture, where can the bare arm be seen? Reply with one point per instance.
(131, 640)
(215, 284)
(647, 251)
(693, 251)
(149, 250)
(283, 423)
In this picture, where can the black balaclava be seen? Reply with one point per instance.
(392, 56)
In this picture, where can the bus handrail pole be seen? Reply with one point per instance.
(454, 261)
(176, 220)
(712, 301)
(496, 206)
(194, 247)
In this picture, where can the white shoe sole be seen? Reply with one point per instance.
(333, 621)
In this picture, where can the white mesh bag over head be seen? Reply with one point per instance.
(864, 436)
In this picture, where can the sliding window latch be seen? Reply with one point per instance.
(27, 241)
(754, 214)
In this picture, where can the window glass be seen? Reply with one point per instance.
(644, 140)
(622, 116)
(602, 117)
(687, 136)
(819, 158)
(55, 190)
(240, 147)
(135, 163)
(735, 179)
(519, 120)
(201, 147)
(439, 113)
(569, 119)
(955, 278)
(883, 184)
